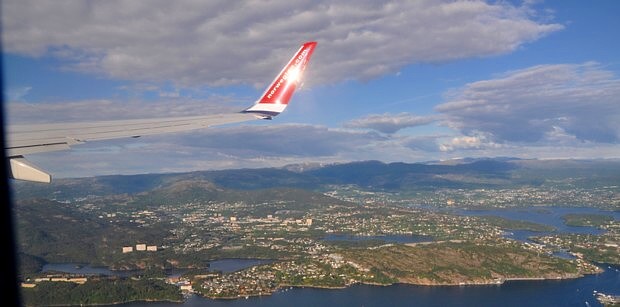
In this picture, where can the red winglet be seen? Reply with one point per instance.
(278, 94)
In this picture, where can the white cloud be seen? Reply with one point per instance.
(18, 93)
(244, 42)
(428, 144)
(468, 143)
(557, 135)
(540, 104)
(389, 123)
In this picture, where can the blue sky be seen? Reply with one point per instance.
(390, 80)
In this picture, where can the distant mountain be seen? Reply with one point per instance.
(457, 161)
(373, 175)
(240, 179)
(394, 176)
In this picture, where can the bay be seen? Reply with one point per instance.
(551, 216)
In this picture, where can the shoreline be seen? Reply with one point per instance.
(124, 302)
(497, 282)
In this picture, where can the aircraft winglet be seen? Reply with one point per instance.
(277, 95)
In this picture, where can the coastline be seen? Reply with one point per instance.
(138, 301)
(123, 302)
(496, 282)
(279, 288)
(527, 292)
(502, 280)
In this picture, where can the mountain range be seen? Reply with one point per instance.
(368, 175)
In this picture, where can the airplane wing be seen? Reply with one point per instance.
(28, 139)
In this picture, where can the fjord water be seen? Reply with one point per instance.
(551, 216)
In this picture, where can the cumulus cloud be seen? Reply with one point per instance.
(17, 93)
(389, 123)
(240, 42)
(428, 143)
(547, 103)
(468, 143)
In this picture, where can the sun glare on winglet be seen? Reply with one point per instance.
(293, 74)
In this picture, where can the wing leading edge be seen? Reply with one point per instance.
(28, 139)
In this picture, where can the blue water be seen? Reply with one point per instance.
(564, 255)
(524, 235)
(575, 292)
(551, 216)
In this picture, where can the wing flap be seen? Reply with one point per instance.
(22, 169)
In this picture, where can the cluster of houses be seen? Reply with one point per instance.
(140, 248)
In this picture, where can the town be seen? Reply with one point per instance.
(342, 237)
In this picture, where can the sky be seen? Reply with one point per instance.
(407, 81)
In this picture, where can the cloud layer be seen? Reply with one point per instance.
(279, 145)
(558, 104)
(389, 123)
(240, 42)
(216, 148)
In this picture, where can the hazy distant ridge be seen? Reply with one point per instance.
(466, 173)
